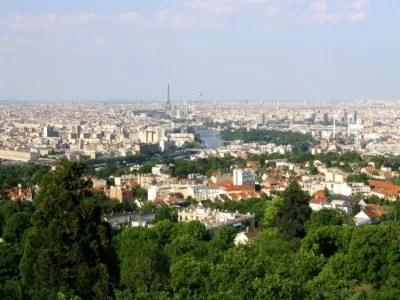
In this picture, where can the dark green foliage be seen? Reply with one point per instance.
(139, 192)
(207, 166)
(325, 217)
(108, 205)
(293, 212)
(143, 264)
(27, 175)
(91, 163)
(145, 169)
(9, 207)
(10, 256)
(16, 226)
(314, 170)
(66, 248)
(10, 286)
(327, 240)
(327, 194)
(11, 290)
(300, 141)
(227, 234)
(67, 253)
(163, 213)
(358, 178)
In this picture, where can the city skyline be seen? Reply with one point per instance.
(229, 50)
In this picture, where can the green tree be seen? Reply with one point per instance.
(163, 213)
(294, 211)
(145, 169)
(66, 249)
(143, 264)
(227, 234)
(271, 211)
(327, 194)
(314, 170)
(325, 217)
(16, 226)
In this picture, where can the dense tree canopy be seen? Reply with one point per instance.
(60, 248)
(293, 211)
(66, 248)
(26, 175)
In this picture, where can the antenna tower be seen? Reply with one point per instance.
(168, 106)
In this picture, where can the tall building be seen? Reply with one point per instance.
(326, 118)
(149, 136)
(50, 131)
(261, 120)
(243, 176)
(346, 118)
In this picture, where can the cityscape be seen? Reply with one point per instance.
(138, 159)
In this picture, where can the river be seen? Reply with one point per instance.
(211, 138)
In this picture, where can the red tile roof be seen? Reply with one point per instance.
(231, 188)
(318, 201)
(370, 213)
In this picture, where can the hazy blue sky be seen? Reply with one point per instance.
(226, 49)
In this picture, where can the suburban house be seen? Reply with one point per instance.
(366, 216)
(242, 238)
(18, 193)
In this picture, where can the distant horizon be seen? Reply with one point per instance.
(128, 101)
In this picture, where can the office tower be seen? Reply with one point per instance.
(261, 119)
(326, 118)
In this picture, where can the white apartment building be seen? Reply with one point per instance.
(384, 148)
(160, 191)
(243, 176)
(203, 192)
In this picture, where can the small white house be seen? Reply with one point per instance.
(242, 238)
(366, 217)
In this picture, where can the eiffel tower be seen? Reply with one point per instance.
(168, 107)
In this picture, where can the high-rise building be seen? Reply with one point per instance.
(49, 131)
(261, 120)
(243, 176)
(326, 118)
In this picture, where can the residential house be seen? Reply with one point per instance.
(242, 238)
(366, 216)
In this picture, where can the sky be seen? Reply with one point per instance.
(270, 50)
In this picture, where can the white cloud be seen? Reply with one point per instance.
(392, 17)
(217, 7)
(359, 4)
(356, 17)
(85, 22)
(220, 7)
(193, 21)
(256, 1)
(273, 10)
(319, 12)
(52, 20)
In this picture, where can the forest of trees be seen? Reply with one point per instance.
(301, 142)
(60, 248)
(26, 175)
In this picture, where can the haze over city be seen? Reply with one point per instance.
(228, 49)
